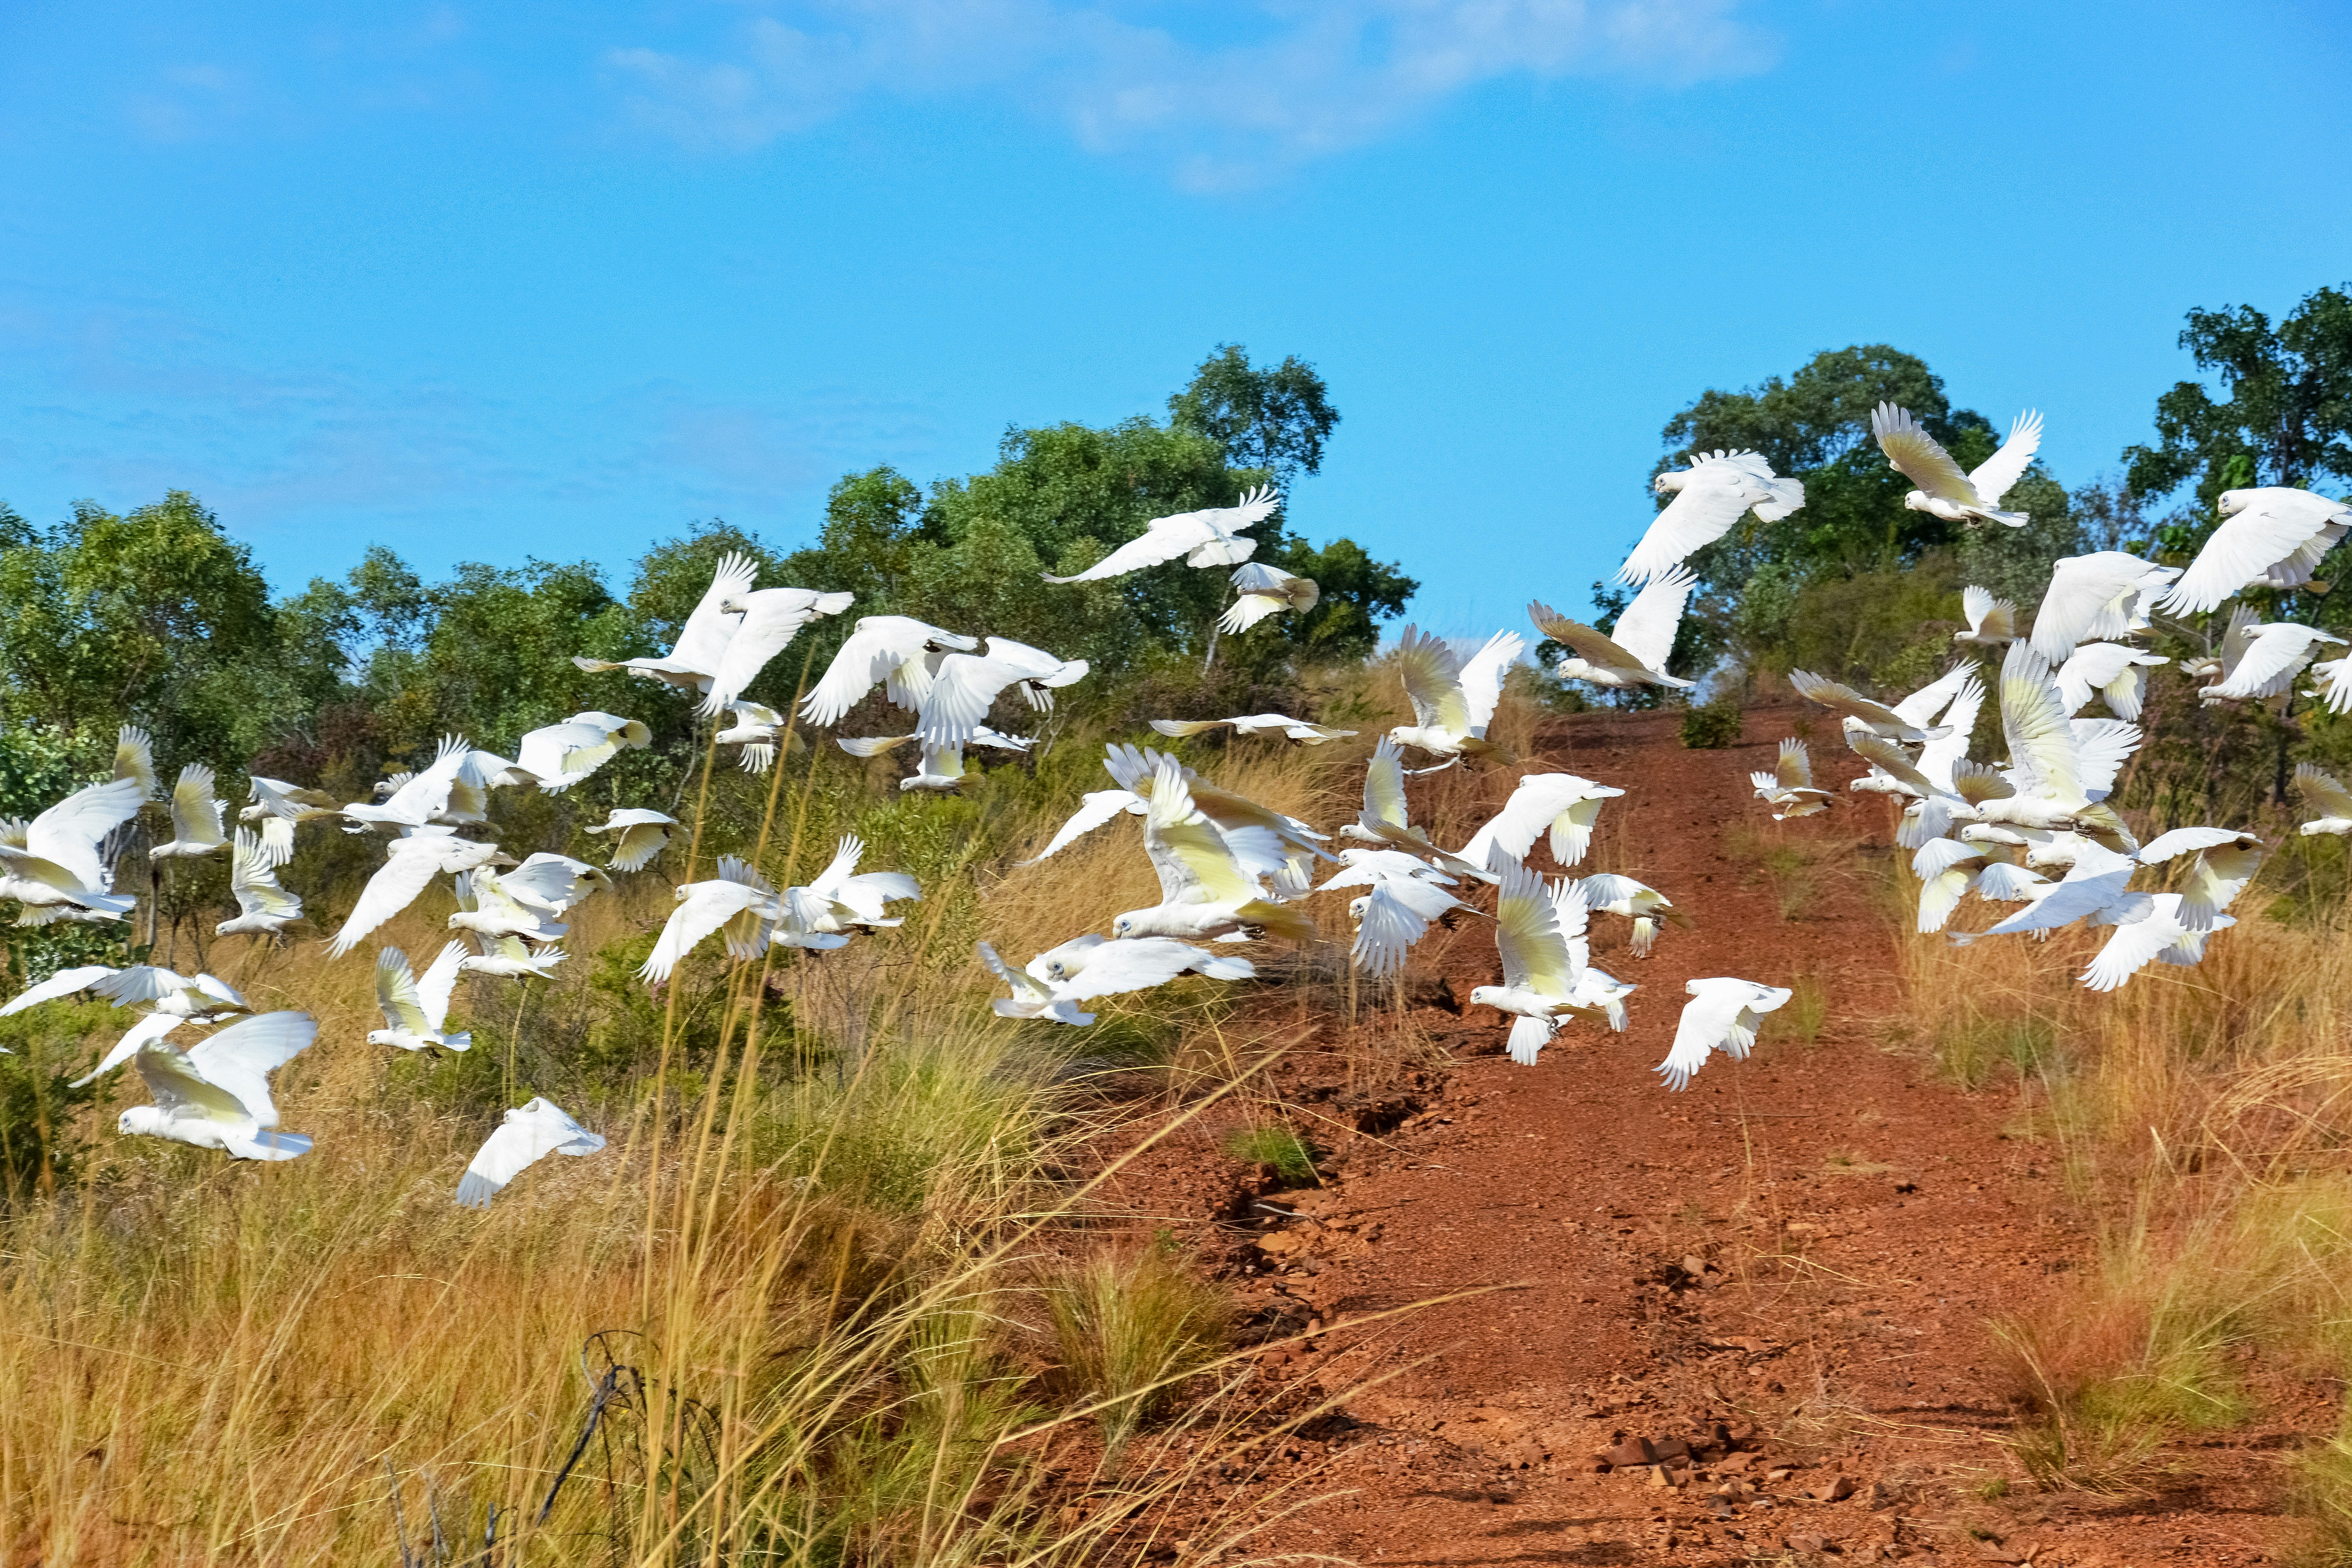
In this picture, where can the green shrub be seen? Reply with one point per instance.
(1712, 726)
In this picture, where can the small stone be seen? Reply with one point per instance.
(1669, 1448)
(1695, 1266)
(1841, 1489)
(1631, 1452)
(1781, 1474)
(1735, 1462)
(1994, 1551)
(1807, 1544)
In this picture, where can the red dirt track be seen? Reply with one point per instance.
(1800, 1254)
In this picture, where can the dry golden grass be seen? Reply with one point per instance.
(2200, 1116)
(812, 1248)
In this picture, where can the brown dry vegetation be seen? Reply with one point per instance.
(828, 1294)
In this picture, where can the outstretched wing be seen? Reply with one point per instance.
(195, 814)
(395, 994)
(1482, 679)
(241, 1057)
(134, 758)
(392, 889)
(1164, 539)
(1433, 682)
(1194, 863)
(1589, 644)
(1921, 459)
(2041, 737)
(64, 983)
(1384, 786)
(1996, 474)
(702, 641)
(2321, 789)
(1096, 808)
(524, 1138)
(1528, 933)
(1646, 629)
(1713, 496)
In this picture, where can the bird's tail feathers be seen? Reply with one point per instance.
(458, 1042)
(1529, 1038)
(1276, 919)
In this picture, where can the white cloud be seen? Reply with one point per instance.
(1287, 82)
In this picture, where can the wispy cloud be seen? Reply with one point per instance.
(1237, 95)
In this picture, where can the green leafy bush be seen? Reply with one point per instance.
(1712, 726)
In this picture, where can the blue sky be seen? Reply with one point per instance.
(486, 283)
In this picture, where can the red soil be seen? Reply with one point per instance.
(1801, 1255)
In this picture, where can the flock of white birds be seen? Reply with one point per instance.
(2037, 833)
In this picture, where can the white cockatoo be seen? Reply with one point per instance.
(1267, 842)
(840, 897)
(2227, 859)
(415, 1010)
(279, 808)
(1208, 538)
(1789, 788)
(2261, 659)
(771, 618)
(196, 827)
(165, 992)
(422, 798)
(639, 835)
(2095, 889)
(1635, 649)
(758, 731)
(2323, 793)
(1386, 818)
(1205, 890)
(486, 909)
(1722, 1014)
(2335, 688)
(1453, 700)
(737, 900)
(899, 651)
(1261, 591)
(1280, 725)
(694, 660)
(1606, 893)
(1876, 717)
(1560, 805)
(1946, 490)
(2269, 538)
(1710, 497)
(216, 1094)
(262, 906)
(557, 756)
(52, 864)
(2115, 673)
(1055, 981)
(1393, 916)
(2060, 768)
(938, 769)
(508, 957)
(552, 883)
(524, 1137)
(2100, 596)
(1538, 930)
(409, 867)
(1991, 622)
(965, 686)
(2162, 936)
(1950, 870)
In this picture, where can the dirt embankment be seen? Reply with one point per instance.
(1778, 1281)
